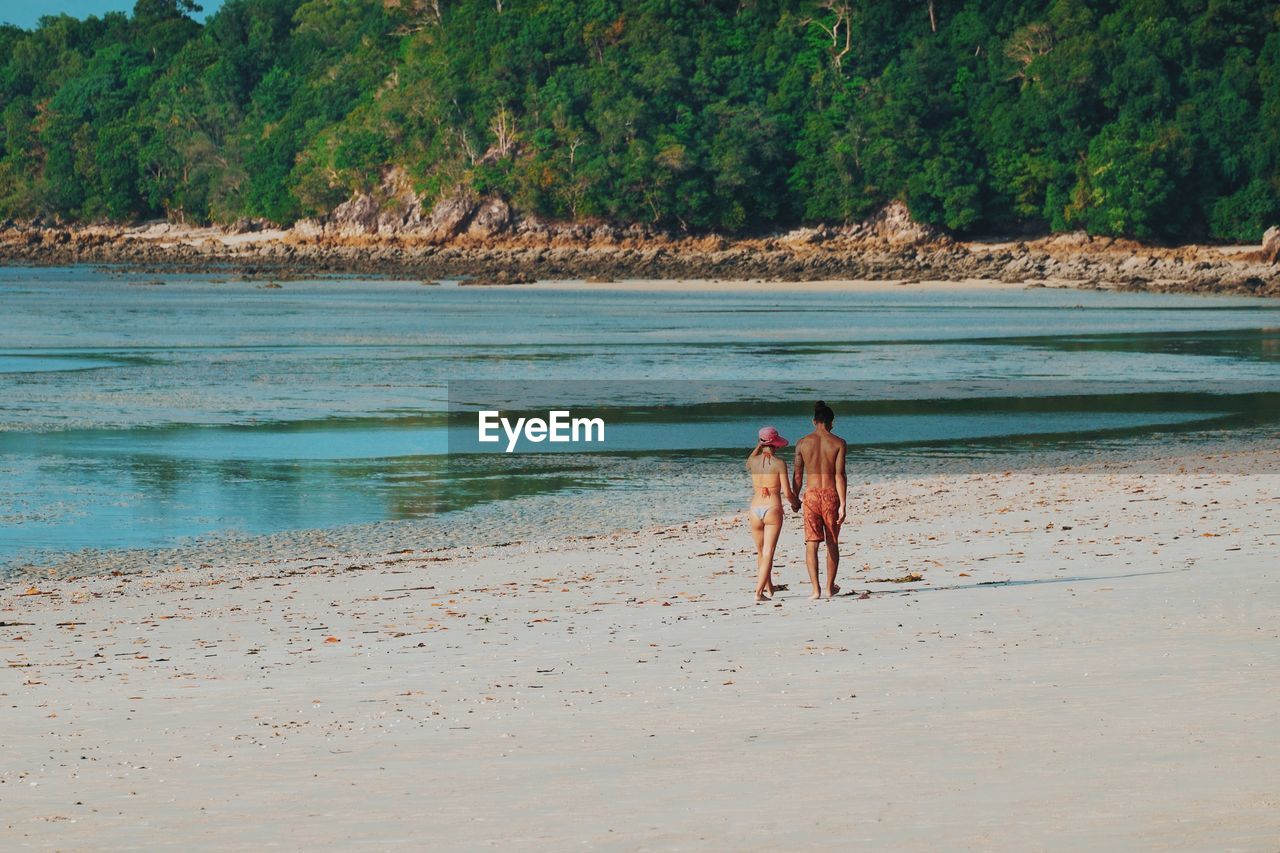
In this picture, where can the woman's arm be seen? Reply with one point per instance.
(754, 454)
(782, 478)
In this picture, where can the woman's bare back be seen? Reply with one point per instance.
(766, 477)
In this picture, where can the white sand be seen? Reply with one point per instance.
(623, 693)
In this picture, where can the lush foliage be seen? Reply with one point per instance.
(1150, 118)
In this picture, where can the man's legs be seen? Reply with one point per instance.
(811, 560)
(833, 563)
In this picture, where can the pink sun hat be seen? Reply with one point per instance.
(769, 435)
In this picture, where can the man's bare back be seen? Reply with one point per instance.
(818, 456)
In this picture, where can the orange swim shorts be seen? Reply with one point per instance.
(821, 514)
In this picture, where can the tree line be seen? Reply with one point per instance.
(1157, 119)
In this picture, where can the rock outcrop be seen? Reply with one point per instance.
(491, 218)
(395, 210)
(393, 207)
(894, 226)
(1271, 245)
(450, 216)
(246, 225)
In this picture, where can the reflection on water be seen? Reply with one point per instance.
(1233, 344)
(135, 417)
(49, 363)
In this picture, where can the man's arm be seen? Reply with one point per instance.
(842, 485)
(797, 479)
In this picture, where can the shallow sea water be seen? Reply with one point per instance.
(214, 411)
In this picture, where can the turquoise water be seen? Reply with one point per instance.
(137, 417)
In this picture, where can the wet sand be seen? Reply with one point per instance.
(1089, 661)
(659, 285)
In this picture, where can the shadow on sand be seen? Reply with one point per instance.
(993, 584)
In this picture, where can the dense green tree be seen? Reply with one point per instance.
(1150, 118)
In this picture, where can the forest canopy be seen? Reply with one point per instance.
(1156, 119)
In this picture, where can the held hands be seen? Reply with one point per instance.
(795, 504)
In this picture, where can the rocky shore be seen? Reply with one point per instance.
(483, 241)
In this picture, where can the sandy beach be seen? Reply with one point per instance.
(1089, 660)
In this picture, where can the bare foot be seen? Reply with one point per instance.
(833, 590)
(761, 598)
(816, 595)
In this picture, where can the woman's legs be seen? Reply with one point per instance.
(771, 527)
(757, 533)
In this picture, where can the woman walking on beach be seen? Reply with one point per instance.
(769, 482)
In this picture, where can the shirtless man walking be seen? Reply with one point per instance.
(821, 455)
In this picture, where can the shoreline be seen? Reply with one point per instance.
(1104, 638)
(230, 550)
(605, 255)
